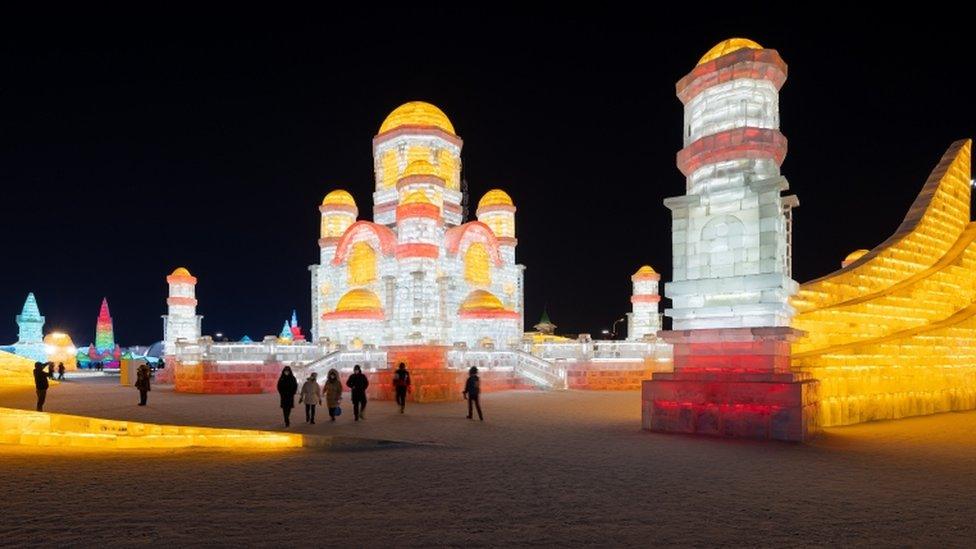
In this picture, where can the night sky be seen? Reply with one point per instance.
(128, 148)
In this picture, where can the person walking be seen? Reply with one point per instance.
(333, 393)
(50, 370)
(60, 371)
(401, 385)
(472, 392)
(142, 383)
(40, 384)
(311, 396)
(287, 387)
(357, 383)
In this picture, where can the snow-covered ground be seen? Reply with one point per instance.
(564, 468)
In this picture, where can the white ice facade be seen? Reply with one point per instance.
(181, 320)
(730, 232)
(418, 274)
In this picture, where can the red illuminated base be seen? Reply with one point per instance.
(226, 379)
(735, 383)
(430, 378)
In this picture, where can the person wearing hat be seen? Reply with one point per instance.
(472, 392)
(358, 383)
(142, 383)
(41, 384)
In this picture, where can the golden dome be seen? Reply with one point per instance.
(495, 197)
(58, 338)
(482, 300)
(419, 167)
(855, 255)
(180, 271)
(416, 197)
(726, 47)
(645, 270)
(359, 299)
(339, 197)
(417, 113)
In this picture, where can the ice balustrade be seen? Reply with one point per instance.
(542, 372)
(582, 351)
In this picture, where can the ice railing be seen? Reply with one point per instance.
(583, 350)
(189, 352)
(370, 360)
(541, 372)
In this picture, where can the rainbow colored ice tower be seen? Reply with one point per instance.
(105, 350)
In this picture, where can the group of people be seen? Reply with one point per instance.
(311, 393)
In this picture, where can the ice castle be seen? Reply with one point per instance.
(419, 273)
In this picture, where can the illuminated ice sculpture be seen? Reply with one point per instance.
(645, 319)
(418, 274)
(30, 331)
(731, 252)
(181, 320)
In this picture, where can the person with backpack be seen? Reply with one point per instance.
(311, 396)
(333, 393)
(142, 383)
(40, 384)
(287, 387)
(357, 383)
(472, 392)
(401, 385)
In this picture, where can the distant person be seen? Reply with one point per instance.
(60, 371)
(311, 396)
(41, 384)
(287, 387)
(142, 383)
(333, 393)
(50, 370)
(401, 385)
(472, 392)
(357, 383)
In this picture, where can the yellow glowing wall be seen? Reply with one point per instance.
(477, 267)
(30, 428)
(893, 334)
(362, 264)
(16, 370)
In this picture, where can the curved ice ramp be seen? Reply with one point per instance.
(15, 370)
(893, 334)
(29, 428)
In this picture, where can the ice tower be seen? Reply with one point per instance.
(181, 320)
(30, 336)
(731, 252)
(645, 318)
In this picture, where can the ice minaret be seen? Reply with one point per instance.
(645, 318)
(182, 320)
(730, 236)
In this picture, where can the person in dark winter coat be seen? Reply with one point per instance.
(41, 384)
(358, 383)
(401, 385)
(60, 371)
(142, 383)
(50, 370)
(287, 387)
(311, 396)
(472, 392)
